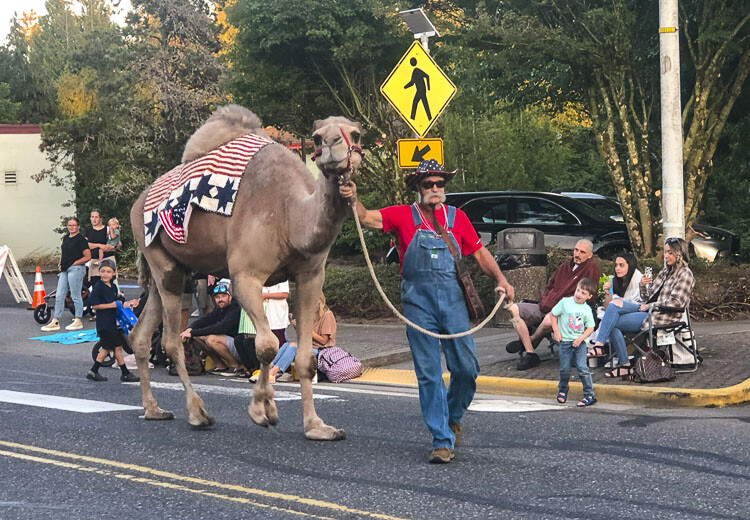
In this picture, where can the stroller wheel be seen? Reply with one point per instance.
(42, 313)
(108, 361)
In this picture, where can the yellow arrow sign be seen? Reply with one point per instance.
(418, 89)
(412, 151)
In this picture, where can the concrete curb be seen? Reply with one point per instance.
(617, 394)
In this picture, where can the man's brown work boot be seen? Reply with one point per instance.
(441, 456)
(457, 432)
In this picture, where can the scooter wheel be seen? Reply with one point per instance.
(42, 313)
(108, 361)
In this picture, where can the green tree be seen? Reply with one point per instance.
(610, 50)
(8, 109)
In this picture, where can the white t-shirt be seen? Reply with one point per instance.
(277, 311)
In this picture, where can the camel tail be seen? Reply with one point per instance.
(144, 272)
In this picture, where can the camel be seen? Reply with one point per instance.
(283, 225)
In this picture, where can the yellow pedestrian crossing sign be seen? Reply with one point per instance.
(418, 89)
(413, 151)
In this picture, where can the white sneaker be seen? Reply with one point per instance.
(76, 325)
(195, 313)
(53, 325)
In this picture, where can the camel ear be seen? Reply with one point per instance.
(317, 124)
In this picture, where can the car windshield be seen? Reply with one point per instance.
(595, 213)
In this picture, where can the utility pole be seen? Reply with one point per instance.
(673, 196)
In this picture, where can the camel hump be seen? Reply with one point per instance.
(226, 123)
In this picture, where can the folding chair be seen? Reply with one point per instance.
(678, 337)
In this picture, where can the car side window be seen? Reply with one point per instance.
(540, 211)
(487, 211)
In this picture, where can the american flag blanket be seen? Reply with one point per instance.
(209, 182)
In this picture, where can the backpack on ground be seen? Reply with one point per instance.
(338, 365)
(193, 361)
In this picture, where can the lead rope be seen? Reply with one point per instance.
(401, 316)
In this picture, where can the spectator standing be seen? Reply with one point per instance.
(103, 299)
(277, 309)
(74, 253)
(432, 297)
(573, 323)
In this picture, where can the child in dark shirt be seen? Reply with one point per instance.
(103, 300)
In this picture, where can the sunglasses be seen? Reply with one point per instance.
(427, 185)
(221, 289)
(672, 240)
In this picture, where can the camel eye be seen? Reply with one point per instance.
(317, 140)
(355, 137)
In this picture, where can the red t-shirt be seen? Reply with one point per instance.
(399, 219)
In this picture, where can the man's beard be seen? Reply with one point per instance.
(430, 197)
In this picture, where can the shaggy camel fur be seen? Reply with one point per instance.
(282, 226)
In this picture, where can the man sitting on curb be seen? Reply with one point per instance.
(562, 284)
(215, 333)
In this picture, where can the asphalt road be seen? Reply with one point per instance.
(527, 459)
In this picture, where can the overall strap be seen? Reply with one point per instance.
(415, 216)
(451, 217)
(446, 237)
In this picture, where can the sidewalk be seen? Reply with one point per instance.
(724, 346)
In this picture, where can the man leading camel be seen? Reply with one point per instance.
(562, 284)
(432, 298)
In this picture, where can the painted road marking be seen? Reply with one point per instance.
(502, 405)
(62, 403)
(353, 391)
(280, 395)
(133, 468)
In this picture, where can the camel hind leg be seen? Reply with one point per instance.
(309, 289)
(170, 281)
(140, 339)
(248, 291)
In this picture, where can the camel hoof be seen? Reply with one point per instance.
(202, 421)
(272, 413)
(158, 415)
(257, 414)
(328, 433)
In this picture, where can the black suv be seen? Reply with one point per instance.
(563, 220)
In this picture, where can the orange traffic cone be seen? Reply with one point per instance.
(39, 292)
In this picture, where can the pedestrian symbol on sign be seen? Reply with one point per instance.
(418, 89)
(421, 81)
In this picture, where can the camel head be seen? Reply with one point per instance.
(338, 152)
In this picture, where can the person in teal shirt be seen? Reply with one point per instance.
(575, 323)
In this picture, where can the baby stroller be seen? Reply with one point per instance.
(126, 320)
(43, 312)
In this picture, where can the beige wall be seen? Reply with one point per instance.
(29, 211)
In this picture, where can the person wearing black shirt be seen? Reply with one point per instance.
(74, 254)
(97, 239)
(103, 299)
(215, 333)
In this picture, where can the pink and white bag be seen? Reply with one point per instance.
(338, 365)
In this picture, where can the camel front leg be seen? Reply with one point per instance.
(309, 289)
(197, 415)
(249, 292)
(140, 340)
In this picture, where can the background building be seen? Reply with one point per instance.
(30, 211)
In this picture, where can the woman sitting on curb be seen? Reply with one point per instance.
(672, 288)
(324, 335)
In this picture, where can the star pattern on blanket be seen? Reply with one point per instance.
(209, 182)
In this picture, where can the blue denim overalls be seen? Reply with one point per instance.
(432, 298)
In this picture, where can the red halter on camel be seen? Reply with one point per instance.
(343, 177)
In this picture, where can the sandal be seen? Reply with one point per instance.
(587, 400)
(597, 351)
(622, 372)
(562, 397)
(216, 371)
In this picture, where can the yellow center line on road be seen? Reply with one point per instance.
(180, 478)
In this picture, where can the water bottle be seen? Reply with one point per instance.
(649, 272)
(611, 286)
